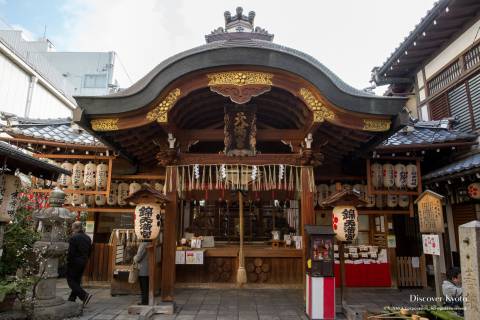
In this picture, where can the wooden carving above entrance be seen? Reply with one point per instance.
(240, 86)
(320, 111)
(160, 113)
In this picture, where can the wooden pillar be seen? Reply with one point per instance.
(169, 241)
(151, 273)
(307, 214)
(392, 252)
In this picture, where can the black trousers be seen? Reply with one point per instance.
(143, 281)
(74, 280)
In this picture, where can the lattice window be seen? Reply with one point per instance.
(474, 88)
(472, 57)
(444, 78)
(439, 108)
(459, 107)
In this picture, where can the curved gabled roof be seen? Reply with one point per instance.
(238, 52)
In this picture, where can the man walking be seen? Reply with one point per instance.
(78, 254)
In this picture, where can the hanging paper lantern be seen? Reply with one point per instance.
(68, 199)
(101, 178)
(412, 178)
(132, 188)
(403, 201)
(400, 174)
(112, 196)
(10, 187)
(380, 201)
(392, 200)
(89, 175)
(65, 180)
(100, 199)
(77, 174)
(122, 193)
(473, 190)
(78, 198)
(345, 223)
(377, 175)
(90, 199)
(388, 178)
(147, 221)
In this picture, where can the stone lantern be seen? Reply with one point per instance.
(53, 223)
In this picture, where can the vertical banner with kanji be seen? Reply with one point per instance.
(240, 130)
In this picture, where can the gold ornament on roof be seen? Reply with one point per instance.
(160, 112)
(240, 78)
(104, 124)
(320, 111)
(376, 125)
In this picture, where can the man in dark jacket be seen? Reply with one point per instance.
(78, 253)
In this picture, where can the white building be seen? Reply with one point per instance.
(38, 82)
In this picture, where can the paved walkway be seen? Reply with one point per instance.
(238, 304)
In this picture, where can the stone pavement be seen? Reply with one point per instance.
(238, 304)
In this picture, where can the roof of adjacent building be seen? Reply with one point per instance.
(242, 46)
(422, 133)
(16, 158)
(460, 166)
(434, 30)
(57, 130)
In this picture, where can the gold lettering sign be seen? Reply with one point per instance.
(104, 124)
(430, 212)
(239, 78)
(320, 111)
(377, 125)
(160, 112)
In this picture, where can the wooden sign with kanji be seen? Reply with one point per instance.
(430, 212)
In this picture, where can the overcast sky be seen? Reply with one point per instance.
(348, 36)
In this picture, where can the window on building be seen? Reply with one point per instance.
(423, 113)
(95, 81)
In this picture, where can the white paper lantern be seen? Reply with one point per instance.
(132, 188)
(90, 199)
(100, 199)
(380, 201)
(392, 200)
(122, 193)
(112, 196)
(10, 187)
(89, 175)
(345, 223)
(101, 178)
(147, 221)
(388, 178)
(377, 175)
(473, 190)
(65, 180)
(400, 174)
(403, 201)
(78, 198)
(412, 178)
(77, 174)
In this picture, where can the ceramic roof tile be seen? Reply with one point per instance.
(468, 163)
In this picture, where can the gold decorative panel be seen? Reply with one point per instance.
(320, 111)
(160, 112)
(376, 125)
(239, 78)
(104, 124)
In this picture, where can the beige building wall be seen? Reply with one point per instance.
(465, 40)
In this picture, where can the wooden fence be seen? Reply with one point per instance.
(98, 267)
(408, 276)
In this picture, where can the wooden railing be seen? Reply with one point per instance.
(465, 62)
(408, 276)
(98, 266)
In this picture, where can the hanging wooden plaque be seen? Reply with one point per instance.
(240, 130)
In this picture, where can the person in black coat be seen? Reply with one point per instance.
(78, 253)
